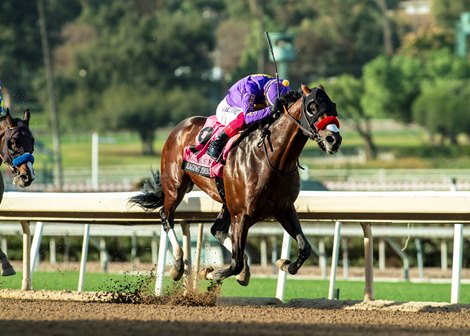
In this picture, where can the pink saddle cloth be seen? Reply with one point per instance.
(195, 158)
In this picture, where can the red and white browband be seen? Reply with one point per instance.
(325, 122)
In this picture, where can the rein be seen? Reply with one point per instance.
(266, 133)
(309, 125)
(312, 135)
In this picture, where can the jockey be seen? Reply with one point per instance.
(251, 99)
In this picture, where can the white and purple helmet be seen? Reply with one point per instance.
(270, 90)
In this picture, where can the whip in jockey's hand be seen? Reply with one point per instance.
(251, 99)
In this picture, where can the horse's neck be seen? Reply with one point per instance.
(287, 142)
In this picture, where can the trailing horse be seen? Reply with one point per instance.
(16, 152)
(260, 179)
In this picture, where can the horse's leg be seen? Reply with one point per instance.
(220, 230)
(177, 270)
(240, 225)
(167, 213)
(7, 269)
(290, 222)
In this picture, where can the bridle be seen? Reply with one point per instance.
(311, 110)
(13, 155)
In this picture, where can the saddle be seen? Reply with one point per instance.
(197, 161)
(195, 158)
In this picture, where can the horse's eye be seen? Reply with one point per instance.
(311, 109)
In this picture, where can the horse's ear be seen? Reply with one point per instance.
(9, 119)
(26, 116)
(305, 89)
(321, 87)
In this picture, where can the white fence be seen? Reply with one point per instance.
(337, 179)
(361, 207)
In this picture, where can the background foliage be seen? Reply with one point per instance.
(140, 65)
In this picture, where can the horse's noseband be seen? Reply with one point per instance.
(14, 154)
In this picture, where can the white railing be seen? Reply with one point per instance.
(197, 207)
(338, 179)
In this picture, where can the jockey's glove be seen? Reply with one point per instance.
(275, 107)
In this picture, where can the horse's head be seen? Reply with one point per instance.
(17, 146)
(319, 118)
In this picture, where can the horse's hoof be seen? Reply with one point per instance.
(293, 269)
(9, 270)
(244, 277)
(177, 271)
(283, 264)
(206, 273)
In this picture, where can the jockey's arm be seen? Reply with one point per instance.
(248, 106)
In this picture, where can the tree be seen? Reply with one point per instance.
(425, 39)
(332, 36)
(20, 45)
(390, 86)
(122, 74)
(447, 12)
(442, 108)
(340, 38)
(346, 91)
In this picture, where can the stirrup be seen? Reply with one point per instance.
(217, 157)
(214, 152)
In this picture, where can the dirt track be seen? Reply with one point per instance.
(52, 317)
(70, 313)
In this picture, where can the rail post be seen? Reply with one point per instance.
(368, 262)
(26, 283)
(334, 262)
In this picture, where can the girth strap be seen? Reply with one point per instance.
(219, 183)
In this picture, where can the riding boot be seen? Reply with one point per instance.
(216, 146)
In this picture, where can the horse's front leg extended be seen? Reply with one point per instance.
(177, 270)
(220, 230)
(290, 222)
(240, 225)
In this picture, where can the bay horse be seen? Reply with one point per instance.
(260, 179)
(16, 152)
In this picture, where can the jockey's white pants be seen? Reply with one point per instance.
(226, 113)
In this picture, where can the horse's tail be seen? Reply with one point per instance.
(151, 196)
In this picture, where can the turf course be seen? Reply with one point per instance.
(259, 287)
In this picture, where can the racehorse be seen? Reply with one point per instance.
(16, 148)
(260, 179)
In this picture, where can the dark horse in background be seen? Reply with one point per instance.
(16, 149)
(261, 179)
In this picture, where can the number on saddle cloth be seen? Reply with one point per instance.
(210, 131)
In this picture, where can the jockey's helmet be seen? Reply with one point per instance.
(270, 90)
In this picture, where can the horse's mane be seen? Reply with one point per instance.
(290, 98)
(287, 99)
